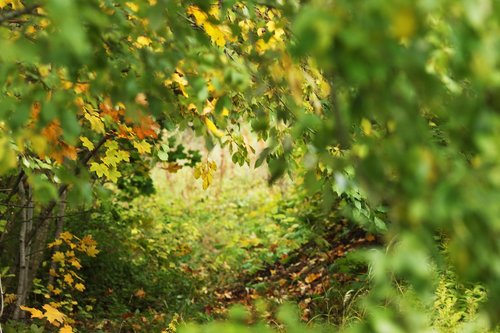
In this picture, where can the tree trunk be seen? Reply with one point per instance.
(59, 230)
(23, 266)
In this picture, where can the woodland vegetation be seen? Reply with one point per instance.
(249, 166)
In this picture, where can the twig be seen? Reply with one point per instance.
(42, 219)
(1, 302)
(28, 10)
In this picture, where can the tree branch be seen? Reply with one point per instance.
(28, 10)
(45, 214)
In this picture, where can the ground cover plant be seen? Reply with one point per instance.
(164, 161)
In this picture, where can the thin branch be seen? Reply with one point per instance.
(14, 188)
(42, 219)
(28, 10)
(1, 302)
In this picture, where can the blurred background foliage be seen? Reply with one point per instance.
(378, 122)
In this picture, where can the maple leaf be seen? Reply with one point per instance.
(58, 256)
(75, 263)
(35, 313)
(216, 35)
(87, 143)
(92, 251)
(66, 329)
(312, 277)
(57, 242)
(68, 279)
(147, 128)
(95, 121)
(110, 160)
(88, 240)
(123, 155)
(53, 315)
(199, 16)
(99, 168)
(52, 131)
(113, 174)
(79, 287)
(142, 147)
(66, 236)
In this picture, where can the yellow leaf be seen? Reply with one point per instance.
(181, 82)
(58, 256)
(403, 23)
(123, 155)
(53, 315)
(366, 126)
(35, 313)
(113, 174)
(16, 4)
(9, 298)
(199, 16)
(197, 173)
(66, 329)
(79, 287)
(68, 279)
(99, 168)
(134, 7)
(212, 128)
(143, 41)
(87, 143)
(216, 34)
(142, 147)
(57, 242)
(66, 236)
(92, 251)
(75, 263)
(95, 121)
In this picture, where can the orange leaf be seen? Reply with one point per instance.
(312, 277)
(140, 293)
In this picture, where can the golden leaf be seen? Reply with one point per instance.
(75, 263)
(143, 41)
(53, 315)
(58, 256)
(99, 168)
(66, 329)
(140, 293)
(68, 279)
(87, 143)
(66, 236)
(312, 277)
(92, 251)
(212, 128)
(79, 287)
(35, 313)
(142, 147)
